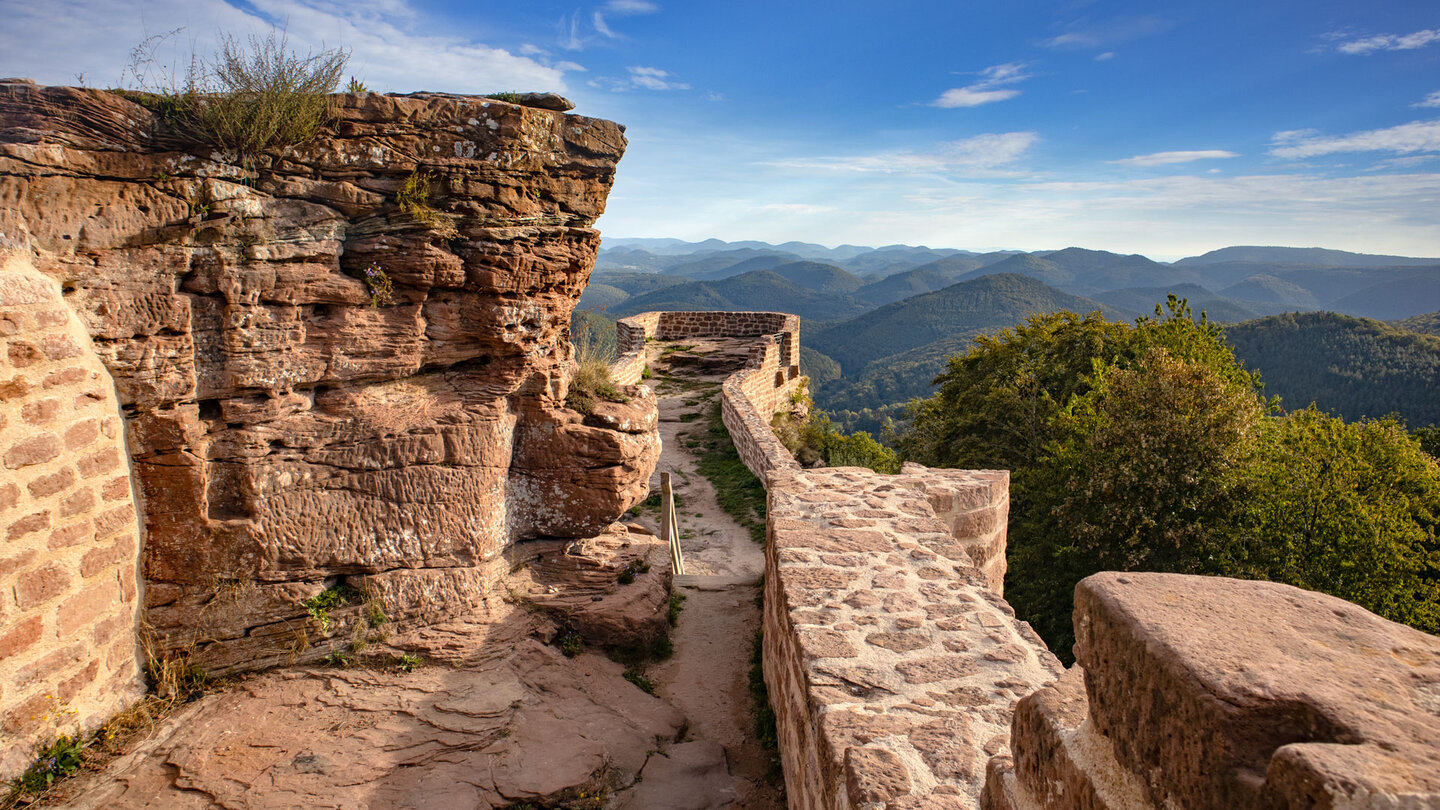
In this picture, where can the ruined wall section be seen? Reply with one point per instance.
(892, 662)
(1212, 693)
(750, 398)
(69, 547)
(292, 427)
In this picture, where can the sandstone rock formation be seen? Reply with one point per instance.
(1202, 692)
(293, 425)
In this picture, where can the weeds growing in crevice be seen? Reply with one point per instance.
(414, 201)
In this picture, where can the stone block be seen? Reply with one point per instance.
(1223, 693)
(42, 585)
(33, 450)
(21, 636)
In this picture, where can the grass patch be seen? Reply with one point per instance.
(739, 492)
(635, 676)
(319, 605)
(677, 604)
(765, 732)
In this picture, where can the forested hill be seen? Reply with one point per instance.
(1352, 367)
(988, 302)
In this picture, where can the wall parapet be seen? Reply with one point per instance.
(69, 602)
(1210, 693)
(892, 661)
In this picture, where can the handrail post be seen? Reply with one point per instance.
(668, 530)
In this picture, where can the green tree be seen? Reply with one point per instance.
(1147, 473)
(1351, 510)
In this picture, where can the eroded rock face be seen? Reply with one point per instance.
(288, 426)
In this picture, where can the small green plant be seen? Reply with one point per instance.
(340, 659)
(55, 761)
(677, 604)
(646, 373)
(629, 572)
(319, 605)
(375, 612)
(591, 384)
(635, 676)
(161, 177)
(382, 289)
(356, 86)
(414, 201)
(407, 662)
(571, 643)
(507, 96)
(199, 209)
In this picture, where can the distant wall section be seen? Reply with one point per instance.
(69, 547)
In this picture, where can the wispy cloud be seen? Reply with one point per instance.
(631, 7)
(640, 78)
(980, 153)
(1417, 136)
(798, 208)
(383, 39)
(1432, 100)
(1390, 42)
(1104, 57)
(1085, 34)
(1167, 158)
(990, 88)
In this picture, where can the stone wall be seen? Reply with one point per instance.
(892, 661)
(70, 545)
(291, 427)
(1211, 693)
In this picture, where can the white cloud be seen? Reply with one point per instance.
(978, 154)
(97, 36)
(1166, 158)
(1390, 42)
(631, 7)
(990, 88)
(654, 79)
(640, 78)
(1432, 100)
(1085, 34)
(598, 20)
(971, 97)
(1417, 136)
(1104, 57)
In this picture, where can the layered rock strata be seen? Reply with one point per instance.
(1203, 692)
(325, 386)
(69, 539)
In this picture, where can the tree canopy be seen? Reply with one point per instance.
(1149, 447)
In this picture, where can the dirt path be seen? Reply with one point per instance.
(707, 679)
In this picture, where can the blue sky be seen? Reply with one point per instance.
(1159, 128)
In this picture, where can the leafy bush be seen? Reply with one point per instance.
(55, 761)
(248, 98)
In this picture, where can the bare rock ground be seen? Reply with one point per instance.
(496, 716)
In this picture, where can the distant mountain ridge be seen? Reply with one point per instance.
(879, 322)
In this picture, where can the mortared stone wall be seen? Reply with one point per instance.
(69, 538)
